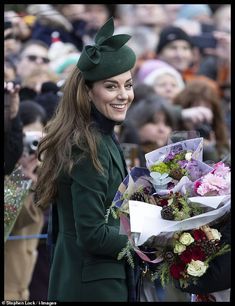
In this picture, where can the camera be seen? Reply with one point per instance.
(204, 130)
(205, 40)
(7, 24)
(31, 140)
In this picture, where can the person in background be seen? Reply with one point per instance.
(142, 36)
(166, 81)
(66, 65)
(20, 28)
(151, 16)
(21, 254)
(81, 170)
(153, 123)
(196, 115)
(198, 12)
(68, 20)
(13, 134)
(215, 284)
(204, 92)
(9, 70)
(171, 11)
(48, 98)
(175, 47)
(37, 77)
(33, 54)
(96, 15)
(16, 33)
(32, 115)
(34, 118)
(222, 18)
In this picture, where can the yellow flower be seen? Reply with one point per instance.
(197, 268)
(179, 248)
(186, 239)
(216, 234)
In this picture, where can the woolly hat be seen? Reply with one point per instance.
(150, 79)
(148, 66)
(169, 34)
(66, 61)
(190, 11)
(108, 56)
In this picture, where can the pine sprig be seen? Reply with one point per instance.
(224, 249)
(111, 210)
(164, 271)
(126, 252)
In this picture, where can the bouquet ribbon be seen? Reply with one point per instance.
(126, 226)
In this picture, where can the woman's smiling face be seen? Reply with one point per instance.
(113, 96)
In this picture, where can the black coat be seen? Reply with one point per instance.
(13, 145)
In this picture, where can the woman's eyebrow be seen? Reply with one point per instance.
(116, 82)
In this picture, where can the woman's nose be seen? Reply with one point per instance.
(123, 95)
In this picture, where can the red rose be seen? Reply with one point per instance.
(176, 270)
(198, 234)
(163, 202)
(198, 253)
(186, 256)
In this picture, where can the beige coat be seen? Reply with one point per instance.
(20, 255)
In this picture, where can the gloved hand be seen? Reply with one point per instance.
(197, 114)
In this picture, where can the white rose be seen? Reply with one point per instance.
(197, 268)
(179, 248)
(216, 234)
(186, 239)
(188, 156)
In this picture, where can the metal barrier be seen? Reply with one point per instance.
(40, 236)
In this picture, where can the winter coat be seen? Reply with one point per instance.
(20, 255)
(84, 265)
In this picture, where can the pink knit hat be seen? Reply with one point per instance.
(147, 67)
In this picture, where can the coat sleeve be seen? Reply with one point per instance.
(13, 145)
(89, 193)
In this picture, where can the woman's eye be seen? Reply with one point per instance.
(111, 86)
(129, 85)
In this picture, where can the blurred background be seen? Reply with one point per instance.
(182, 82)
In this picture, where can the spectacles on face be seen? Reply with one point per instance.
(33, 58)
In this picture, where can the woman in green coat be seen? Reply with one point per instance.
(81, 170)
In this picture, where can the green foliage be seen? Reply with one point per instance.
(164, 273)
(160, 167)
(224, 249)
(127, 252)
(196, 209)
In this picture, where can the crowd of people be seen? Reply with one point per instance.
(170, 64)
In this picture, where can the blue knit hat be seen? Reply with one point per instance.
(108, 56)
(189, 11)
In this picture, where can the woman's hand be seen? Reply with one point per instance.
(29, 163)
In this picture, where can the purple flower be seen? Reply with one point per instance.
(170, 156)
(183, 163)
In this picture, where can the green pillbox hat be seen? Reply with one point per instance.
(108, 56)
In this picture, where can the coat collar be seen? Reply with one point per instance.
(116, 156)
(106, 127)
(102, 123)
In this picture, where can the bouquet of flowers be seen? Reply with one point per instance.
(176, 196)
(189, 255)
(16, 187)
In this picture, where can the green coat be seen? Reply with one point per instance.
(85, 265)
